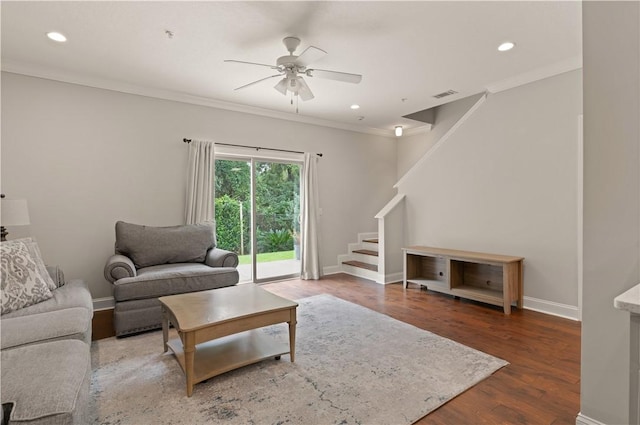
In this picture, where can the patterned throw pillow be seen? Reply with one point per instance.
(23, 282)
(34, 250)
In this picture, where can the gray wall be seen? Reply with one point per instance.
(412, 148)
(86, 157)
(506, 182)
(611, 44)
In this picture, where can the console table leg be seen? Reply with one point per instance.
(520, 285)
(506, 287)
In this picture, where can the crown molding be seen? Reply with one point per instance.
(568, 65)
(538, 74)
(417, 130)
(107, 84)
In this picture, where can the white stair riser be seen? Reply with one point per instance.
(353, 246)
(362, 245)
(363, 236)
(344, 257)
(369, 259)
(370, 246)
(357, 271)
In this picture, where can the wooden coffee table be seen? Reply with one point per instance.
(218, 329)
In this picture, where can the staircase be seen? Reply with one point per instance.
(379, 256)
(362, 259)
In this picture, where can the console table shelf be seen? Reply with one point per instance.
(489, 278)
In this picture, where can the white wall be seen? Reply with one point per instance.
(85, 158)
(506, 182)
(611, 52)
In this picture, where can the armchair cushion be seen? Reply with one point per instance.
(150, 246)
(165, 279)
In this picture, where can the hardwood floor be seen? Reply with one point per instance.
(541, 385)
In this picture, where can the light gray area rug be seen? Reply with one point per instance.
(353, 366)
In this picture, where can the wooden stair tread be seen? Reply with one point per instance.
(366, 252)
(361, 265)
(375, 240)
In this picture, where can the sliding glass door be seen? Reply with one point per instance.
(258, 216)
(277, 223)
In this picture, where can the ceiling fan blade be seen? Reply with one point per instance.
(310, 55)
(252, 63)
(258, 81)
(282, 86)
(303, 90)
(335, 75)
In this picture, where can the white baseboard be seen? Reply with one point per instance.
(553, 308)
(331, 270)
(585, 420)
(103, 303)
(393, 277)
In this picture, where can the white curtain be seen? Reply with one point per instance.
(310, 256)
(199, 206)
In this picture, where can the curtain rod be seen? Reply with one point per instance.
(185, 140)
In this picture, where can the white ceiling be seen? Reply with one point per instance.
(404, 50)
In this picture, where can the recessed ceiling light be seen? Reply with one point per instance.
(56, 36)
(354, 106)
(507, 45)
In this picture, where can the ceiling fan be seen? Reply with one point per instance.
(292, 68)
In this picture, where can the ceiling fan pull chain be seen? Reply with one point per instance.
(297, 99)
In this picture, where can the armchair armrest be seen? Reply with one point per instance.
(56, 274)
(118, 267)
(217, 257)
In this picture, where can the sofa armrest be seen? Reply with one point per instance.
(118, 267)
(68, 323)
(217, 257)
(56, 274)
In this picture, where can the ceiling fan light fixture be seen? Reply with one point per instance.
(282, 86)
(303, 90)
(398, 130)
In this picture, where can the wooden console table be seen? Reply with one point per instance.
(489, 278)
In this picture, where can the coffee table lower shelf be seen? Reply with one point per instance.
(224, 354)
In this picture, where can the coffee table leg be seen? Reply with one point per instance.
(292, 335)
(189, 354)
(165, 327)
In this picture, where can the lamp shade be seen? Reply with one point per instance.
(14, 212)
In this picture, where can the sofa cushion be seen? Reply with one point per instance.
(170, 279)
(25, 280)
(68, 323)
(150, 246)
(73, 294)
(48, 383)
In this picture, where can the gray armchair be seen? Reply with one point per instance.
(151, 262)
